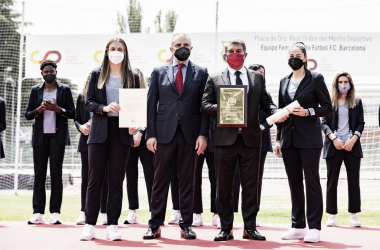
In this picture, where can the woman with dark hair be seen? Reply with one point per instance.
(257, 67)
(138, 150)
(83, 123)
(343, 129)
(50, 105)
(107, 143)
(299, 142)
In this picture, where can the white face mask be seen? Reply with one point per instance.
(116, 57)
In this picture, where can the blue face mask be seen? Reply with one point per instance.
(343, 89)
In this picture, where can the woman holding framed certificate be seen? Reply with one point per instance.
(299, 142)
(107, 142)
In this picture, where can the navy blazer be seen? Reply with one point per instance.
(81, 117)
(304, 132)
(64, 100)
(356, 124)
(96, 100)
(258, 98)
(165, 104)
(3, 124)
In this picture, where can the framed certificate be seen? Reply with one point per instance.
(133, 108)
(232, 106)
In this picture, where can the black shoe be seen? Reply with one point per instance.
(253, 235)
(152, 234)
(224, 235)
(188, 233)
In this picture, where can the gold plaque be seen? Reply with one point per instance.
(232, 106)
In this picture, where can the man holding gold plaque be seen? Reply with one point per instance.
(234, 96)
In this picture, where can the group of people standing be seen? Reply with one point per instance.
(182, 132)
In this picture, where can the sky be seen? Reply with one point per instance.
(100, 16)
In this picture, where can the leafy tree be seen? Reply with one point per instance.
(134, 18)
(122, 23)
(170, 22)
(157, 22)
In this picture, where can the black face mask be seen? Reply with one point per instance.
(295, 63)
(182, 53)
(50, 78)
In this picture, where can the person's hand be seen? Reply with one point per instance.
(52, 106)
(112, 107)
(283, 119)
(338, 144)
(151, 144)
(89, 122)
(350, 143)
(83, 128)
(133, 131)
(277, 149)
(137, 139)
(299, 111)
(201, 144)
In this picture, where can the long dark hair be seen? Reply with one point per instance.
(84, 91)
(126, 70)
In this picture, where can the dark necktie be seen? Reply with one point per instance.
(179, 78)
(238, 80)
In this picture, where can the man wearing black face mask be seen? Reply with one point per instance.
(50, 105)
(176, 130)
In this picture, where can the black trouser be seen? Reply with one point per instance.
(225, 163)
(164, 158)
(104, 196)
(49, 149)
(352, 164)
(299, 162)
(236, 191)
(198, 207)
(132, 174)
(114, 152)
(174, 187)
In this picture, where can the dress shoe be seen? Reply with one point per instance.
(224, 235)
(188, 233)
(152, 234)
(253, 234)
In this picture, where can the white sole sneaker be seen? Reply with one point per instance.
(113, 238)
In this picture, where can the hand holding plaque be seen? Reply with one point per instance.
(282, 113)
(232, 106)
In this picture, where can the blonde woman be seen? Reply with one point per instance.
(343, 129)
(107, 143)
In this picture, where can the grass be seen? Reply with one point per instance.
(19, 208)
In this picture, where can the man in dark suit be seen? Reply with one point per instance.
(176, 130)
(3, 125)
(238, 144)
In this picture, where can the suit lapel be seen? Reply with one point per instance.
(226, 77)
(170, 74)
(303, 83)
(190, 72)
(59, 95)
(40, 94)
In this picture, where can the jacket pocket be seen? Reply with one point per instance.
(160, 117)
(196, 118)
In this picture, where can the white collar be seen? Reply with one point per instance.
(243, 70)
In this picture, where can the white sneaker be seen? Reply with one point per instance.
(88, 232)
(37, 219)
(112, 233)
(103, 218)
(54, 219)
(197, 220)
(131, 218)
(331, 221)
(354, 221)
(215, 220)
(294, 234)
(312, 236)
(81, 219)
(257, 223)
(174, 217)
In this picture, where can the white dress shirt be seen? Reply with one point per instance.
(243, 76)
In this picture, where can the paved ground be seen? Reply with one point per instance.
(19, 235)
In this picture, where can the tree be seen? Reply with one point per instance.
(134, 18)
(170, 22)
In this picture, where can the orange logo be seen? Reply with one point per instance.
(164, 60)
(46, 56)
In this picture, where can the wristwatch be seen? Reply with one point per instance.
(63, 110)
(307, 112)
